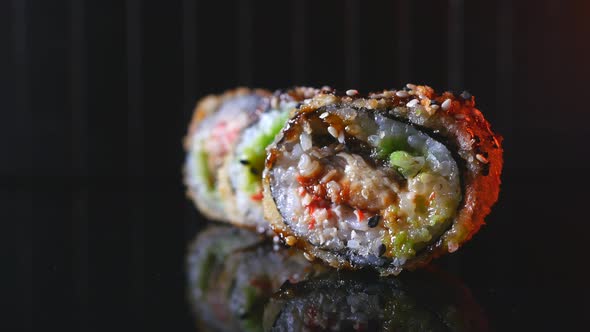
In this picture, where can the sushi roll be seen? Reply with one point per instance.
(427, 301)
(241, 176)
(387, 181)
(213, 133)
(234, 272)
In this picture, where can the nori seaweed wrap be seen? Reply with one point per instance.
(388, 181)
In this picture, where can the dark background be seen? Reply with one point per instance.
(96, 96)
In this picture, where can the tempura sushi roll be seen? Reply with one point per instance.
(241, 176)
(427, 301)
(213, 133)
(389, 181)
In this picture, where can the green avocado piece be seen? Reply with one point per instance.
(205, 173)
(387, 145)
(406, 164)
(255, 153)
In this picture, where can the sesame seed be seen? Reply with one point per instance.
(374, 221)
(244, 162)
(446, 104)
(341, 137)
(434, 107)
(402, 94)
(290, 240)
(412, 103)
(324, 115)
(351, 92)
(410, 86)
(333, 131)
(382, 249)
(459, 116)
(481, 158)
(308, 256)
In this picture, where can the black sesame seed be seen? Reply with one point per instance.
(244, 162)
(374, 221)
(465, 95)
(433, 102)
(382, 249)
(253, 171)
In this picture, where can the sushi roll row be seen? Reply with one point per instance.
(387, 180)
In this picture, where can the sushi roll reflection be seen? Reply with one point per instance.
(428, 301)
(241, 179)
(216, 125)
(388, 181)
(233, 273)
(206, 263)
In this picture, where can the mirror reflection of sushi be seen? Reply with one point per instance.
(388, 181)
(213, 132)
(233, 273)
(241, 176)
(422, 301)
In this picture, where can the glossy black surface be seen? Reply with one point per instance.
(96, 96)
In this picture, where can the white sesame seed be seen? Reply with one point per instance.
(333, 131)
(324, 115)
(412, 103)
(305, 141)
(459, 116)
(341, 137)
(446, 104)
(434, 107)
(481, 158)
(290, 240)
(402, 94)
(351, 92)
(410, 86)
(308, 256)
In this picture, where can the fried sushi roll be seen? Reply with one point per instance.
(387, 181)
(213, 133)
(241, 176)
